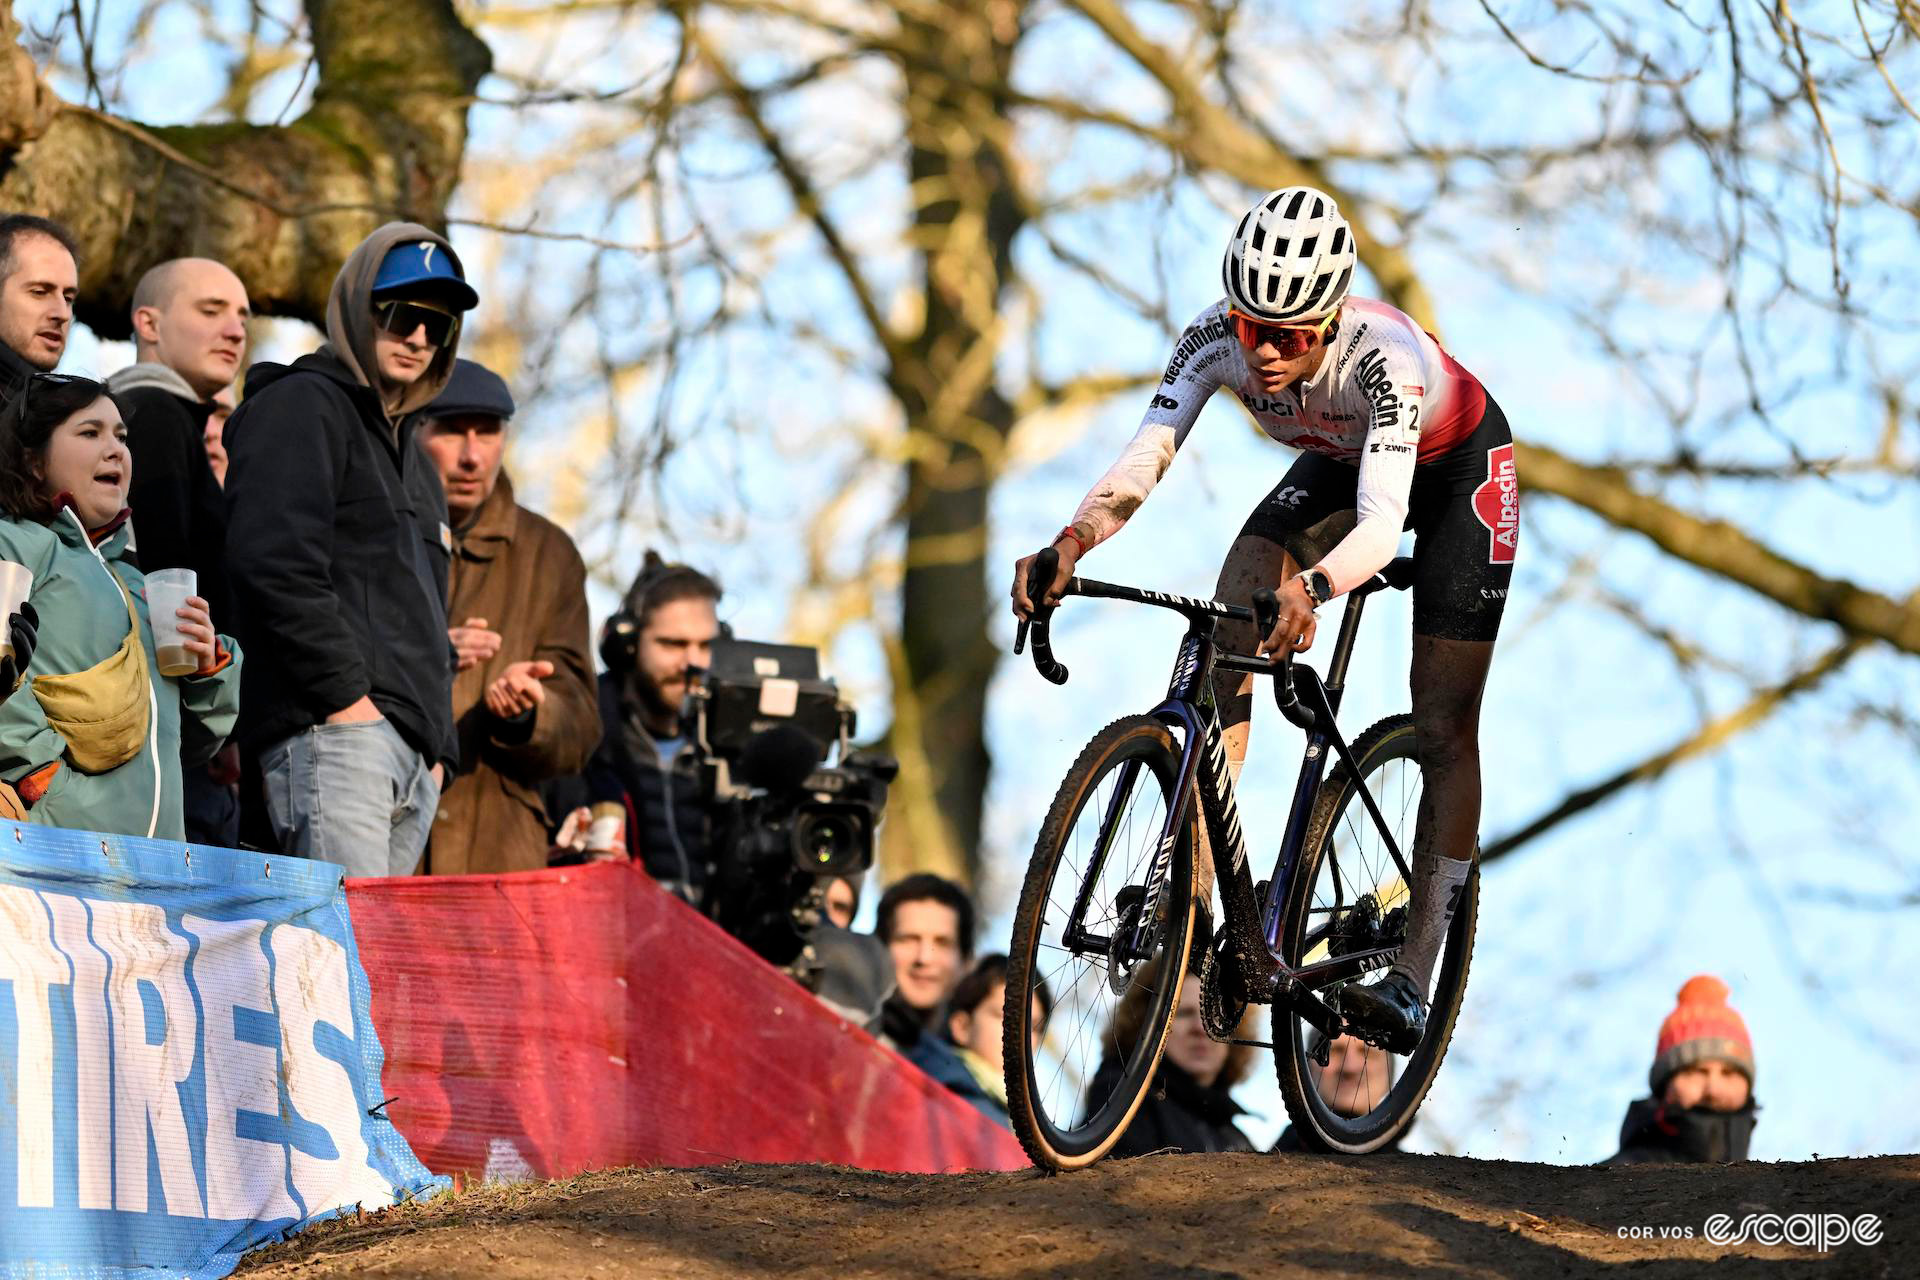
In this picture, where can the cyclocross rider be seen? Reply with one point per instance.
(1394, 434)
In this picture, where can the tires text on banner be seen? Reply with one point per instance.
(188, 1067)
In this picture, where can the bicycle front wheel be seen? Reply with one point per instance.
(1348, 895)
(1100, 942)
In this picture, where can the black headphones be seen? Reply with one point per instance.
(620, 634)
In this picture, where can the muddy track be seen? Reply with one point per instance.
(1164, 1216)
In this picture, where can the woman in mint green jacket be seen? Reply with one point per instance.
(94, 736)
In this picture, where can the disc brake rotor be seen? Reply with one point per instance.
(1126, 906)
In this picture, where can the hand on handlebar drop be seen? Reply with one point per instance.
(1069, 555)
(1294, 632)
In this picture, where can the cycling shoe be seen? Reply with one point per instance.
(1391, 1012)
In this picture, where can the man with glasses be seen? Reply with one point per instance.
(1394, 434)
(337, 548)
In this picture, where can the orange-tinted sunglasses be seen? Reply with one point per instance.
(1291, 340)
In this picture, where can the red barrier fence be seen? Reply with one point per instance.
(548, 1022)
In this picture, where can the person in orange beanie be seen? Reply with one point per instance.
(1701, 1109)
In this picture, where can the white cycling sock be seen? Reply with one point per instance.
(1438, 888)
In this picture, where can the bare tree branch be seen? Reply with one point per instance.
(1722, 549)
(1707, 738)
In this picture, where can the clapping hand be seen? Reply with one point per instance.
(473, 643)
(518, 690)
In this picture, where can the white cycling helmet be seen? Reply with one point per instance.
(1290, 259)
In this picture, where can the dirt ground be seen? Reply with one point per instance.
(1163, 1216)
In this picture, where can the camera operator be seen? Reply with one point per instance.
(731, 763)
(641, 770)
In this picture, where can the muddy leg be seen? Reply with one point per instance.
(1448, 679)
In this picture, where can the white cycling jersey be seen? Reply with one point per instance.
(1386, 399)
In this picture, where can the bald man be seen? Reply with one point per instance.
(190, 336)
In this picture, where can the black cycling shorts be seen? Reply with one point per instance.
(1464, 512)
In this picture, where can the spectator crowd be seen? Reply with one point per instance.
(302, 690)
(319, 622)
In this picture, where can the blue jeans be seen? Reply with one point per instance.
(355, 795)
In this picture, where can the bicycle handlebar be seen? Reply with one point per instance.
(1266, 616)
(1040, 623)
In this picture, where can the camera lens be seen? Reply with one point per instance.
(829, 842)
(824, 841)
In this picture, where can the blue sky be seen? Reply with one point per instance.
(1584, 937)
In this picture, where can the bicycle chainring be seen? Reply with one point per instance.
(1222, 1003)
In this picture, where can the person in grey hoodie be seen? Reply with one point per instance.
(190, 335)
(337, 550)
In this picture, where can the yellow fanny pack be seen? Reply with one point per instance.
(103, 712)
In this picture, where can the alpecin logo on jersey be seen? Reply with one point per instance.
(1371, 376)
(1497, 504)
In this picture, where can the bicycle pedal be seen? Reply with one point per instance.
(1320, 1048)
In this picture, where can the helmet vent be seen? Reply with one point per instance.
(1307, 246)
(1319, 291)
(1293, 207)
(1346, 278)
(1259, 236)
(1339, 239)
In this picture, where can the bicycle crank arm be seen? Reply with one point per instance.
(1290, 995)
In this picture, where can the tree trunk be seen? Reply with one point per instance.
(966, 217)
(281, 205)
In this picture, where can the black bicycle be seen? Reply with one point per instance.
(1109, 920)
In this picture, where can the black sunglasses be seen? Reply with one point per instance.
(53, 380)
(401, 318)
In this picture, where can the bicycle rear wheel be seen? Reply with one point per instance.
(1348, 894)
(1076, 1075)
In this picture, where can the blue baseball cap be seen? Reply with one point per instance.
(424, 266)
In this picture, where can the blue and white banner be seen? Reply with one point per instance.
(188, 1066)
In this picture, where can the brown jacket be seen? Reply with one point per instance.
(522, 574)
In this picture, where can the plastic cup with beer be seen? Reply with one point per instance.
(167, 591)
(608, 832)
(16, 581)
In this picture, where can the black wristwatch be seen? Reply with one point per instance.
(1318, 585)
